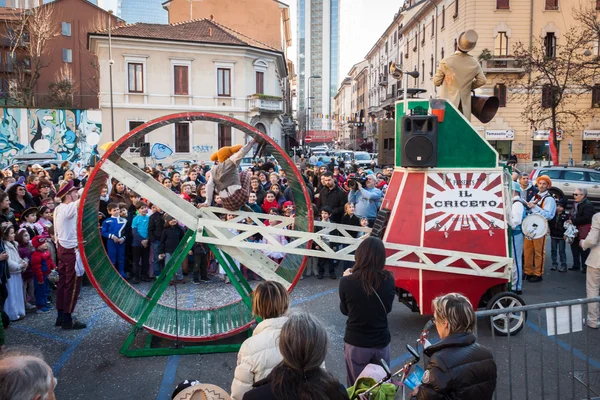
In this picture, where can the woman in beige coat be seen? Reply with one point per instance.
(592, 241)
(260, 353)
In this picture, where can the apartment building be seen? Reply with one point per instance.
(343, 101)
(424, 32)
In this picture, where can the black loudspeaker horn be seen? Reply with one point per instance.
(419, 141)
(145, 149)
(484, 107)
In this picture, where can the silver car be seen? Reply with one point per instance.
(566, 179)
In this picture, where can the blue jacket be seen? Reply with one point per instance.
(139, 228)
(114, 227)
(366, 201)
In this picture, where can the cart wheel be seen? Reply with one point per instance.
(516, 321)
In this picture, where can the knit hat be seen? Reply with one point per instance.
(562, 202)
(288, 203)
(168, 218)
(38, 240)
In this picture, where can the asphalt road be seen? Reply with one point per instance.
(88, 364)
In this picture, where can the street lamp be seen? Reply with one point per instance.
(309, 108)
(110, 73)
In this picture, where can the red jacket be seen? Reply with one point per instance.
(266, 205)
(41, 264)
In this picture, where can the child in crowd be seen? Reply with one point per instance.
(187, 188)
(156, 226)
(28, 220)
(25, 252)
(113, 229)
(276, 256)
(32, 185)
(140, 245)
(42, 265)
(15, 302)
(326, 212)
(252, 203)
(288, 209)
(51, 246)
(44, 221)
(269, 202)
(557, 236)
(200, 271)
(364, 223)
(170, 239)
(124, 213)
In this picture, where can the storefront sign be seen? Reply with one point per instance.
(543, 135)
(464, 201)
(591, 135)
(500, 134)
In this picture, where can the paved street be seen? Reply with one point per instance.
(88, 364)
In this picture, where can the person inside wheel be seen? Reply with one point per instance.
(458, 368)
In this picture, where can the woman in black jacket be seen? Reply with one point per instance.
(366, 296)
(303, 346)
(458, 368)
(20, 200)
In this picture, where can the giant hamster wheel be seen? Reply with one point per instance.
(194, 325)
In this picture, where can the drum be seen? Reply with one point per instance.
(534, 226)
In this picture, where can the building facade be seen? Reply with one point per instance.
(65, 56)
(148, 11)
(193, 66)
(318, 27)
(343, 110)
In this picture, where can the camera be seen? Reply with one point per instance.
(359, 179)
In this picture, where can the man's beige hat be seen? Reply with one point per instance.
(467, 40)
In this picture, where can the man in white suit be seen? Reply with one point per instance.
(460, 73)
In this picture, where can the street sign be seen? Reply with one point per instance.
(307, 139)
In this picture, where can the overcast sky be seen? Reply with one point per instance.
(362, 23)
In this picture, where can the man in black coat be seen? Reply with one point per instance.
(333, 196)
(156, 225)
(581, 217)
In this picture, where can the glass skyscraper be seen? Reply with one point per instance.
(318, 54)
(132, 11)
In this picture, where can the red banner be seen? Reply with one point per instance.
(322, 136)
(553, 149)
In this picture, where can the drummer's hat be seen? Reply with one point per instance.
(194, 390)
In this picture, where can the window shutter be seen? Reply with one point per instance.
(596, 96)
(547, 96)
(182, 138)
(502, 4)
(597, 4)
(500, 93)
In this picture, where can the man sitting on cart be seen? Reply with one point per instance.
(535, 250)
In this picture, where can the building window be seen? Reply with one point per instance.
(456, 9)
(455, 44)
(433, 26)
(138, 141)
(596, 96)
(541, 150)
(224, 81)
(431, 71)
(443, 17)
(66, 29)
(548, 92)
(224, 135)
(500, 93)
(550, 45)
(395, 36)
(182, 137)
(551, 4)
(443, 53)
(423, 36)
(597, 5)
(67, 55)
(181, 79)
(502, 4)
(503, 148)
(501, 46)
(135, 73)
(260, 82)
(423, 70)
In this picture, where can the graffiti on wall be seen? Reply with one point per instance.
(67, 135)
(202, 149)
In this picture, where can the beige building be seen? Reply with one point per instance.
(343, 109)
(359, 74)
(192, 66)
(424, 32)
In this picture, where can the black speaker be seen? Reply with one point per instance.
(145, 149)
(419, 141)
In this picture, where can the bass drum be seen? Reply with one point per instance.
(534, 226)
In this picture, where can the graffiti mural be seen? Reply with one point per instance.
(68, 135)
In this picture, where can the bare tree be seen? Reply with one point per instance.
(554, 77)
(29, 33)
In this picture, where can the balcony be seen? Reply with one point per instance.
(502, 65)
(266, 104)
(383, 80)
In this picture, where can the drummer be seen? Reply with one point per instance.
(535, 250)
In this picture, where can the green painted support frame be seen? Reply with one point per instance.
(159, 287)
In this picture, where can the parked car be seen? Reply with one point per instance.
(362, 159)
(566, 179)
(246, 163)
